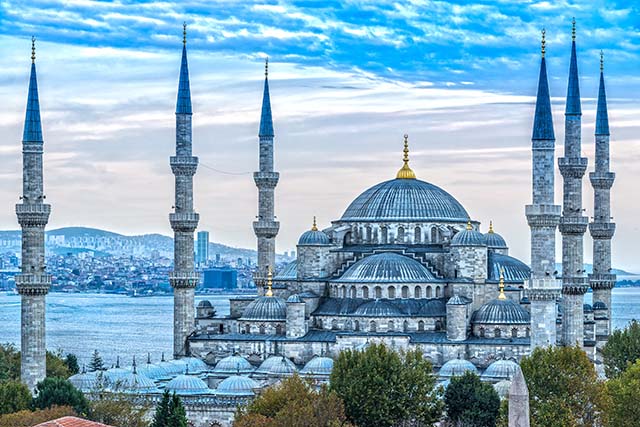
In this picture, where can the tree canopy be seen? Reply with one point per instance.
(14, 397)
(624, 392)
(54, 391)
(381, 387)
(169, 412)
(96, 363)
(293, 403)
(470, 402)
(622, 349)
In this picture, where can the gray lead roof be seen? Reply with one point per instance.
(32, 124)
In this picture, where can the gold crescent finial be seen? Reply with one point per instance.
(601, 61)
(266, 67)
(469, 226)
(269, 282)
(543, 43)
(502, 295)
(405, 172)
(314, 227)
(573, 29)
(184, 33)
(491, 227)
(33, 49)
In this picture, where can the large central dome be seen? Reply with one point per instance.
(405, 200)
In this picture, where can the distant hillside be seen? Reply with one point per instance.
(589, 268)
(68, 232)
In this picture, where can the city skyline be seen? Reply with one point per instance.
(101, 89)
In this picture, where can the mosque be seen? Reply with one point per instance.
(406, 264)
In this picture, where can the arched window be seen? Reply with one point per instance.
(400, 238)
(372, 326)
(347, 239)
(365, 292)
(417, 232)
(356, 326)
(405, 326)
(348, 325)
(334, 324)
(247, 328)
(421, 326)
(383, 235)
(378, 291)
(417, 292)
(262, 329)
(390, 326)
(497, 333)
(343, 291)
(514, 333)
(375, 235)
(352, 292)
(527, 333)
(319, 323)
(278, 329)
(434, 235)
(368, 234)
(405, 292)
(429, 292)
(438, 325)
(481, 332)
(437, 291)
(392, 292)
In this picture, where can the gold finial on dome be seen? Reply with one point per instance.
(33, 49)
(314, 227)
(491, 227)
(269, 292)
(469, 226)
(543, 43)
(405, 172)
(502, 295)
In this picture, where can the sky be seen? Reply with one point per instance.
(347, 80)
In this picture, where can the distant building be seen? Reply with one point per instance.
(217, 259)
(202, 251)
(221, 278)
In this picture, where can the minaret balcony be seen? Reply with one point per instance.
(266, 179)
(32, 147)
(183, 165)
(574, 285)
(184, 221)
(602, 281)
(266, 229)
(602, 230)
(572, 167)
(183, 279)
(602, 181)
(573, 224)
(33, 215)
(542, 215)
(33, 284)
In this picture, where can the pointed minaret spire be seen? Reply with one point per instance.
(543, 119)
(32, 124)
(266, 122)
(573, 89)
(602, 116)
(183, 105)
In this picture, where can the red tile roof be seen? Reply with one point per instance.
(71, 422)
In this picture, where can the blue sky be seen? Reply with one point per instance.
(347, 80)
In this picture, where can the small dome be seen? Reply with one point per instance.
(265, 308)
(153, 371)
(502, 388)
(314, 237)
(135, 383)
(318, 366)
(457, 300)
(205, 304)
(187, 385)
(113, 375)
(468, 237)
(444, 384)
(172, 367)
(387, 267)
(514, 270)
(494, 240)
(455, 367)
(377, 308)
(86, 381)
(502, 312)
(525, 300)
(295, 298)
(587, 308)
(233, 365)
(195, 365)
(599, 305)
(237, 385)
(500, 370)
(277, 366)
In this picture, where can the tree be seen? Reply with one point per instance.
(564, 389)
(169, 412)
(381, 387)
(119, 409)
(622, 349)
(58, 391)
(292, 403)
(26, 418)
(14, 397)
(9, 362)
(56, 365)
(72, 363)
(624, 394)
(96, 363)
(161, 416)
(471, 403)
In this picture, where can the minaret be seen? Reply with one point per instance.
(573, 224)
(266, 227)
(184, 219)
(33, 214)
(602, 229)
(543, 216)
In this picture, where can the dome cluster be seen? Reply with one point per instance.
(265, 308)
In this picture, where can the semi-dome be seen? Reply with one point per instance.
(387, 267)
(277, 366)
(494, 240)
(232, 365)
(187, 385)
(289, 272)
(377, 308)
(236, 385)
(405, 200)
(503, 312)
(500, 370)
(265, 308)
(318, 366)
(455, 367)
(135, 383)
(468, 237)
(514, 270)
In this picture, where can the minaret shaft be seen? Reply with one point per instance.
(33, 214)
(184, 219)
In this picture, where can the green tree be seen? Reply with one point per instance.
(119, 409)
(9, 362)
(177, 413)
(56, 366)
(161, 416)
(624, 395)
(622, 349)
(470, 402)
(14, 397)
(27, 418)
(72, 363)
(294, 402)
(96, 363)
(381, 387)
(59, 391)
(564, 389)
